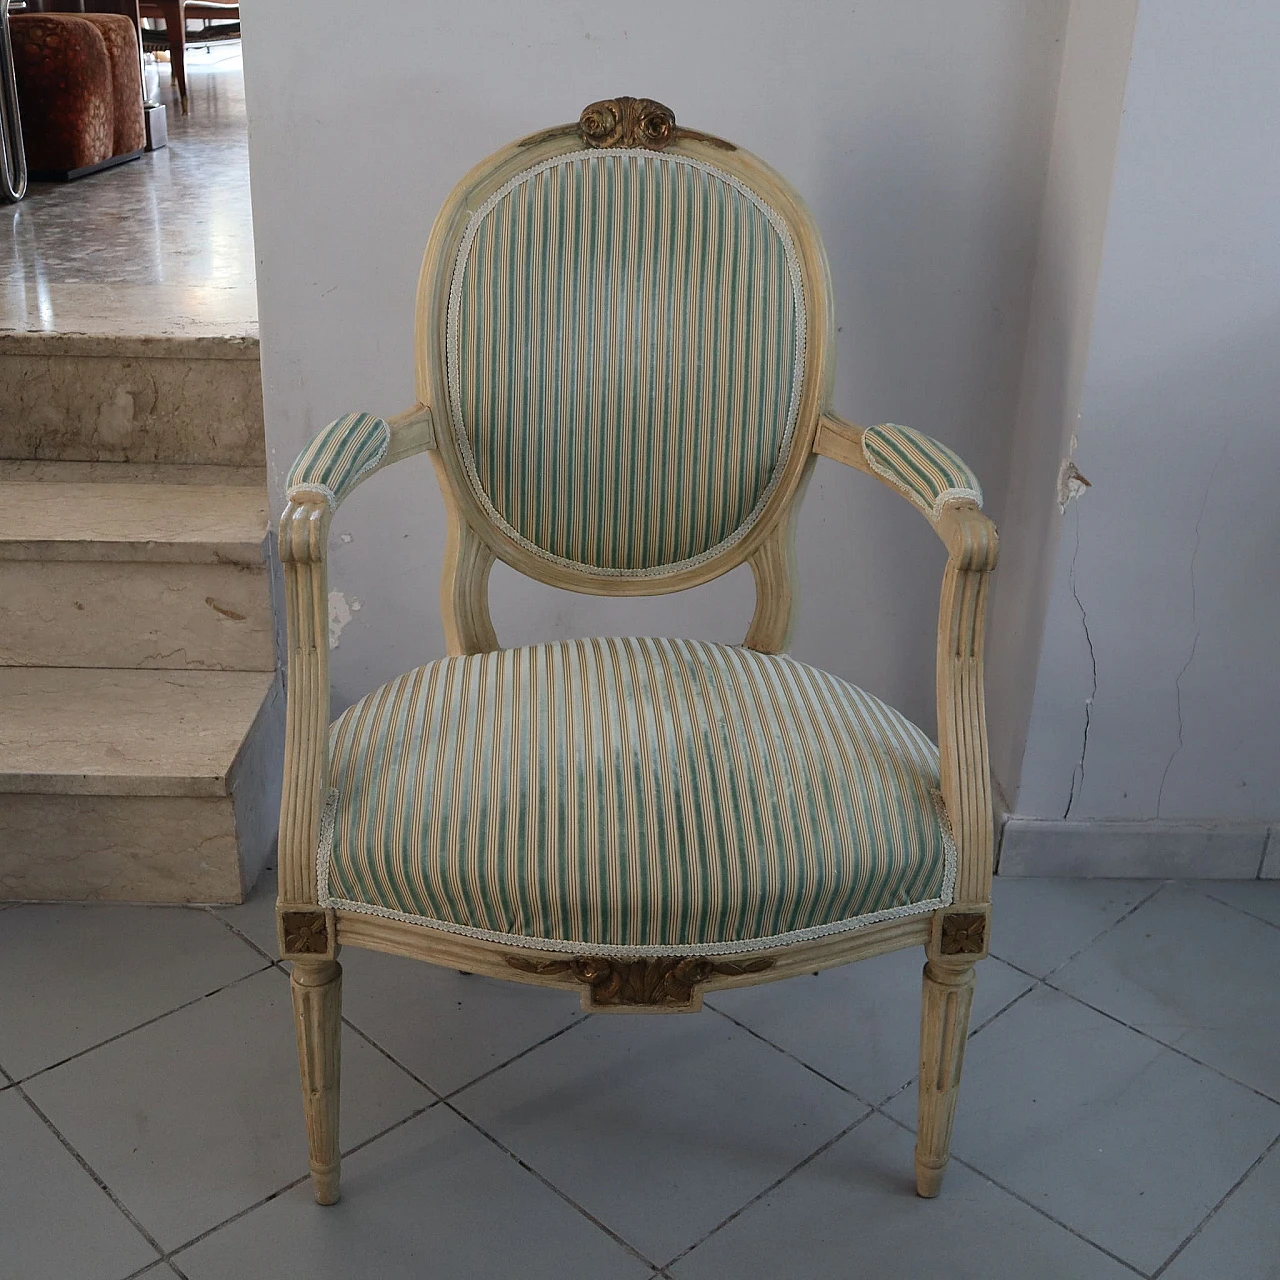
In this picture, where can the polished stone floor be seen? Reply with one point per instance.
(161, 245)
(1119, 1114)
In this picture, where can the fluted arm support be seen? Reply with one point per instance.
(304, 533)
(326, 471)
(971, 542)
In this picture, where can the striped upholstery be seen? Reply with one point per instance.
(929, 473)
(332, 464)
(631, 796)
(625, 356)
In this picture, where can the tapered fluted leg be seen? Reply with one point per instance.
(317, 1016)
(944, 1026)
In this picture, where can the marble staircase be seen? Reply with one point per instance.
(141, 714)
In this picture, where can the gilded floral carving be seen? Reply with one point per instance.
(963, 933)
(649, 980)
(305, 933)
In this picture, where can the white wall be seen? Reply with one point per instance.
(1165, 579)
(1095, 63)
(917, 132)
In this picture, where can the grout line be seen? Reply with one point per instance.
(89, 1169)
(577, 1021)
(845, 1088)
(751, 1031)
(773, 1186)
(382, 1133)
(391, 1058)
(1235, 907)
(244, 937)
(551, 1186)
(1164, 1044)
(1031, 1204)
(257, 1204)
(119, 1035)
(1204, 1222)
(142, 1270)
(240, 1213)
(1119, 920)
(435, 1093)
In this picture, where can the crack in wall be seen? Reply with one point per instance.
(1195, 639)
(1077, 774)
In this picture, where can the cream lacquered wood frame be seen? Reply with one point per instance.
(954, 937)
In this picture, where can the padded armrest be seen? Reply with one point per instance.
(338, 459)
(920, 467)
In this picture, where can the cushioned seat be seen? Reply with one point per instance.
(632, 796)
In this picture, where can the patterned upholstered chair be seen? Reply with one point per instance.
(624, 355)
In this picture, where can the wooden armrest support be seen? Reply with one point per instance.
(972, 545)
(969, 536)
(304, 533)
(411, 432)
(303, 542)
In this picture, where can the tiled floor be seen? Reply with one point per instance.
(161, 245)
(1120, 1113)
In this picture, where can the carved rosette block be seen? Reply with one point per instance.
(627, 122)
(964, 933)
(306, 932)
(650, 982)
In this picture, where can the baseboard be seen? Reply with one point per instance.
(1138, 850)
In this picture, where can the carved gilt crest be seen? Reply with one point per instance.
(627, 122)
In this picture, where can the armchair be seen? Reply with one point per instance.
(624, 355)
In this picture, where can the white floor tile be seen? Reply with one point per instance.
(860, 1024)
(1196, 975)
(56, 1223)
(659, 1126)
(853, 1212)
(77, 975)
(1122, 1139)
(432, 1198)
(1039, 924)
(1242, 1240)
(199, 1115)
(445, 1027)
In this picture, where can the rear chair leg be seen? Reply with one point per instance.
(317, 1016)
(944, 1027)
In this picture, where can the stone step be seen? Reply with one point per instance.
(146, 786)
(93, 397)
(95, 573)
(131, 472)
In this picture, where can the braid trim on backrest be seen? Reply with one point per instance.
(754, 489)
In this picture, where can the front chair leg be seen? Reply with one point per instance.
(317, 1016)
(944, 1027)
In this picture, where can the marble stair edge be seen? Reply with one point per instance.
(134, 558)
(94, 398)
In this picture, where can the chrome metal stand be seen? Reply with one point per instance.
(13, 159)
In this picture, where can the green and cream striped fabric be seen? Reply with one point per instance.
(631, 797)
(625, 358)
(929, 473)
(334, 461)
